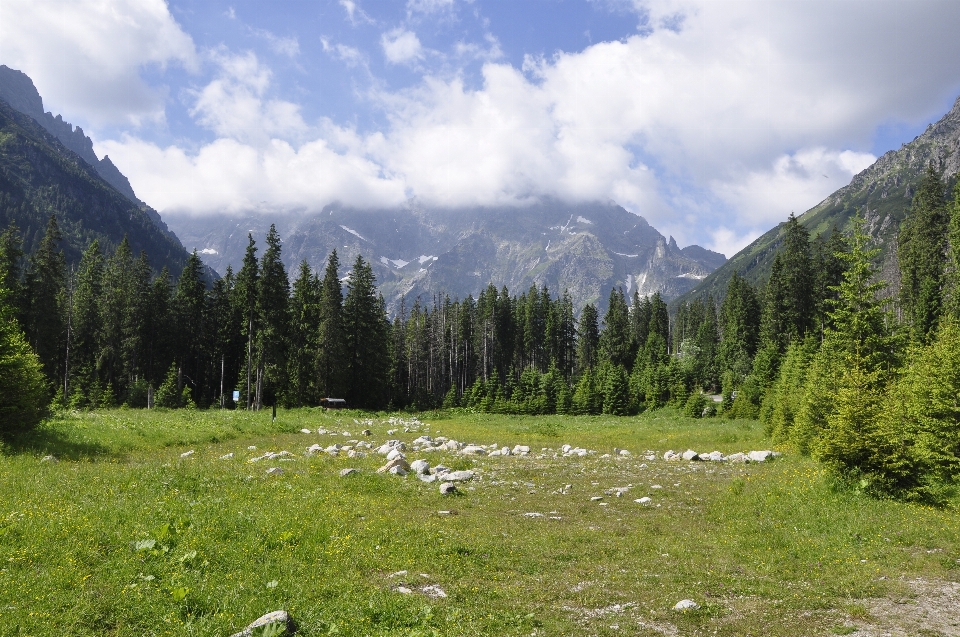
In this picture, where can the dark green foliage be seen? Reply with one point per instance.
(23, 391)
(366, 340)
(44, 325)
(616, 391)
(739, 331)
(922, 256)
(616, 343)
(588, 338)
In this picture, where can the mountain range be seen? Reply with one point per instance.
(419, 251)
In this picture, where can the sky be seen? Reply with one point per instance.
(713, 119)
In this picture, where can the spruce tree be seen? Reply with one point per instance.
(615, 341)
(86, 322)
(189, 309)
(922, 256)
(365, 339)
(588, 338)
(23, 390)
(245, 299)
(304, 330)
(45, 288)
(273, 309)
(331, 350)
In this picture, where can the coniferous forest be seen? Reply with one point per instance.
(861, 374)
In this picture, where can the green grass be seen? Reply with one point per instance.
(125, 537)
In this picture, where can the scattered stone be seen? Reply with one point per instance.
(445, 512)
(314, 449)
(624, 452)
(427, 477)
(448, 488)
(714, 456)
(759, 456)
(505, 451)
(397, 574)
(226, 456)
(420, 467)
(686, 604)
(305, 431)
(54, 459)
(397, 471)
(643, 500)
(394, 453)
(655, 486)
(274, 471)
(276, 618)
(367, 432)
(596, 498)
(349, 471)
(404, 590)
(738, 458)
(690, 455)
(433, 591)
(458, 476)
(186, 454)
(521, 450)
(533, 515)
(396, 462)
(251, 448)
(473, 450)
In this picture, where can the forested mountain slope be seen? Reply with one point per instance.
(40, 177)
(883, 192)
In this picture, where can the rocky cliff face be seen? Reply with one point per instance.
(417, 252)
(883, 192)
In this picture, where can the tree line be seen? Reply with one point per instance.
(829, 358)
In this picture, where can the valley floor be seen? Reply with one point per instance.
(127, 533)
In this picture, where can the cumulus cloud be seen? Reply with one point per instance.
(288, 46)
(88, 54)
(715, 121)
(401, 46)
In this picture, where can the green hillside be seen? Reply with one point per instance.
(40, 177)
(883, 192)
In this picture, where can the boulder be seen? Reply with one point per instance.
(397, 471)
(714, 456)
(521, 450)
(420, 467)
(279, 618)
(394, 453)
(396, 462)
(473, 450)
(759, 456)
(305, 431)
(738, 458)
(448, 488)
(686, 604)
(458, 476)
(690, 455)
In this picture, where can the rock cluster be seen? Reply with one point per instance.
(715, 456)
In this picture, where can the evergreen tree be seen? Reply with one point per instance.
(739, 330)
(922, 256)
(45, 287)
(365, 339)
(331, 352)
(588, 338)
(273, 296)
(616, 392)
(246, 302)
(615, 342)
(86, 324)
(189, 309)
(23, 392)
(304, 330)
(11, 266)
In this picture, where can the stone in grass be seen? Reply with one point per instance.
(187, 454)
(458, 476)
(686, 604)
(274, 471)
(400, 463)
(473, 450)
(278, 618)
(347, 472)
(759, 456)
(49, 459)
(420, 466)
(448, 488)
(690, 454)
(305, 431)
(643, 500)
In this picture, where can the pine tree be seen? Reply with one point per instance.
(331, 351)
(189, 309)
(23, 391)
(922, 256)
(86, 322)
(273, 292)
(11, 269)
(616, 392)
(45, 287)
(615, 341)
(246, 302)
(588, 338)
(739, 332)
(304, 330)
(365, 331)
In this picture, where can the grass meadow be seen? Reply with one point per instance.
(123, 536)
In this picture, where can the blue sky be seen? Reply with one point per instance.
(713, 119)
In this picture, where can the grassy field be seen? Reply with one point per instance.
(123, 536)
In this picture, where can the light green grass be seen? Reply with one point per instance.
(765, 549)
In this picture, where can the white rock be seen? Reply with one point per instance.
(686, 604)
(305, 431)
(669, 455)
(427, 477)
(533, 514)
(473, 450)
(366, 432)
(420, 466)
(433, 591)
(396, 462)
(347, 472)
(714, 456)
(274, 471)
(226, 456)
(738, 458)
(566, 448)
(459, 476)
(276, 617)
(251, 448)
(448, 488)
(596, 498)
(505, 451)
(313, 449)
(186, 454)
(521, 450)
(655, 486)
(397, 470)
(624, 452)
(759, 456)
(404, 590)
(394, 453)
(643, 500)
(690, 454)
(54, 459)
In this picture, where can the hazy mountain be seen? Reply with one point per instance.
(40, 176)
(417, 251)
(883, 192)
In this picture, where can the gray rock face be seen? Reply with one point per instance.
(279, 618)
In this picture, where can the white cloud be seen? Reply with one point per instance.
(289, 46)
(401, 46)
(348, 54)
(234, 105)
(85, 56)
(429, 6)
